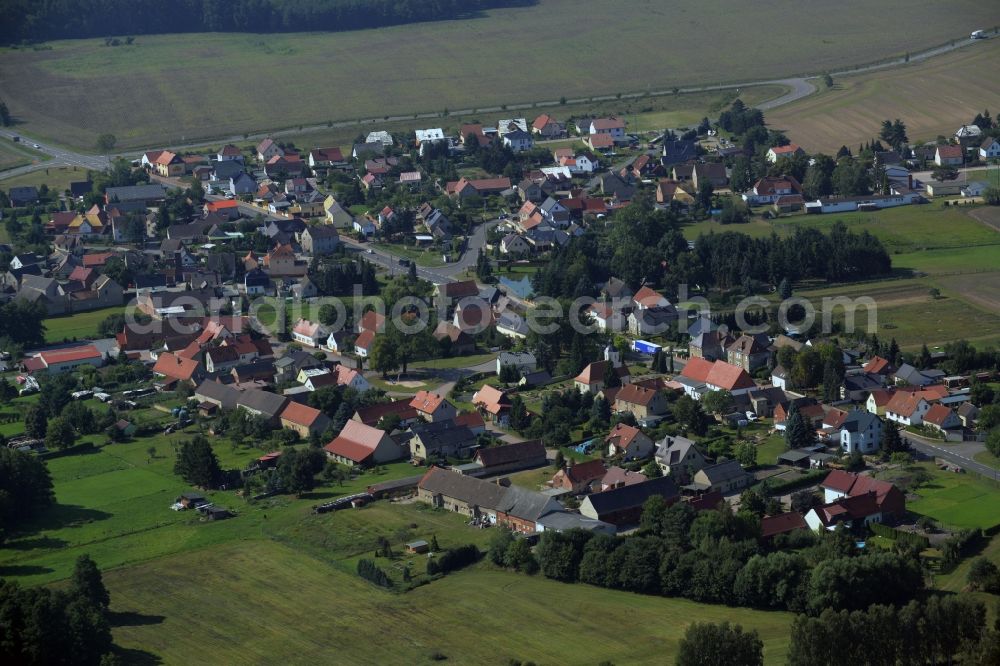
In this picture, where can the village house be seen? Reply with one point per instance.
(372, 415)
(493, 403)
(749, 352)
(576, 478)
(700, 376)
(990, 149)
(907, 408)
(723, 477)
(623, 506)
(619, 477)
(320, 239)
(507, 458)
(263, 404)
(362, 445)
(628, 442)
(439, 440)
(679, 456)
(596, 375)
(311, 334)
(547, 127)
(778, 152)
(943, 420)
(304, 420)
(769, 189)
(433, 406)
(860, 431)
(643, 403)
(522, 361)
(948, 156)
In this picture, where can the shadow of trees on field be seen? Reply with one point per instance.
(66, 515)
(135, 657)
(39, 542)
(133, 619)
(14, 570)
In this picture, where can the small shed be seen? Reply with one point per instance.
(420, 546)
(191, 500)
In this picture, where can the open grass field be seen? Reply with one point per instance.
(957, 500)
(79, 325)
(17, 154)
(180, 88)
(232, 604)
(932, 97)
(57, 178)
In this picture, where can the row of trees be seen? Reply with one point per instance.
(70, 19)
(42, 625)
(643, 243)
(935, 631)
(716, 557)
(25, 489)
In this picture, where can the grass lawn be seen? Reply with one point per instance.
(80, 325)
(18, 154)
(533, 479)
(932, 97)
(173, 79)
(957, 500)
(57, 178)
(252, 618)
(455, 362)
(769, 449)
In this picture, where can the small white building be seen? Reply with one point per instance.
(523, 361)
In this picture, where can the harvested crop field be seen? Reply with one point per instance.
(182, 88)
(932, 97)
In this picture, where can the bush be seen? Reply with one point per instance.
(370, 572)
(809, 478)
(457, 558)
(896, 535)
(984, 575)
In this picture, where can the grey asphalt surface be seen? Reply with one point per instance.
(954, 453)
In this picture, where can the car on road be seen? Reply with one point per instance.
(370, 251)
(35, 145)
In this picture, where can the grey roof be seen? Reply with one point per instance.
(858, 420)
(794, 455)
(145, 192)
(464, 488)
(657, 316)
(560, 521)
(322, 231)
(629, 497)
(443, 434)
(527, 504)
(227, 396)
(511, 453)
(673, 450)
(724, 471)
(264, 402)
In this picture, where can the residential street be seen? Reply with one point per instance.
(958, 453)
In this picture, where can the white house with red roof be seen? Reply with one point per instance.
(309, 333)
(613, 127)
(777, 152)
(944, 420)
(646, 299)
(701, 376)
(363, 343)
(359, 444)
(65, 360)
(629, 442)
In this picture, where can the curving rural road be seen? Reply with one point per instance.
(799, 87)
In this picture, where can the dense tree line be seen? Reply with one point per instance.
(454, 559)
(67, 19)
(25, 488)
(935, 631)
(717, 557)
(646, 244)
(368, 570)
(707, 644)
(21, 324)
(41, 625)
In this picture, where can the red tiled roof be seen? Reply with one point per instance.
(636, 395)
(877, 365)
(950, 151)
(785, 150)
(372, 321)
(299, 414)
(647, 297)
(937, 414)
(427, 402)
(904, 403)
(781, 523)
(607, 123)
(470, 420)
(356, 442)
(365, 339)
(622, 435)
(69, 355)
(372, 414)
(175, 367)
(718, 373)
